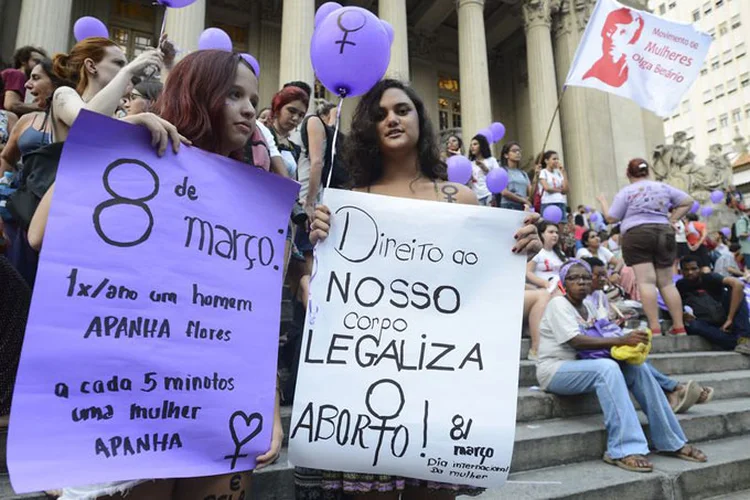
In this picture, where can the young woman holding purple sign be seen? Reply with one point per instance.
(222, 124)
(392, 150)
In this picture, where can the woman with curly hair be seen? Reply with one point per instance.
(392, 151)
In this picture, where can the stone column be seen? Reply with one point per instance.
(185, 26)
(46, 24)
(297, 23)
(476, 111)
(542, 80)
(394, 11)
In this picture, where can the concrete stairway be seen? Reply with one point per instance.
(560, 440)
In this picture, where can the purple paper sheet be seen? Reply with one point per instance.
(160, 278)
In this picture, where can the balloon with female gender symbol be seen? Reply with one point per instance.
(350, 49)
(89, 27)
(459, 169)
(215, 39)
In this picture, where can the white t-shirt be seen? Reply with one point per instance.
(679, 234)
(547, 264)
(560, 323)
(479, 184)
(270, 142)
(602, 254)
(553, 179)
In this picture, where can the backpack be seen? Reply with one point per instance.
(340, 177)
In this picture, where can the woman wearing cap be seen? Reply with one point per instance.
(563, 331)
(648, 238)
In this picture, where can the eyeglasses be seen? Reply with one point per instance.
(515, 150)
(135, 95)
(580, 278)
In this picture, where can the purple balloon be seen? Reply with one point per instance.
(596, 217)
(497, 180)
(324, 10)
(588, 209)
(176, 4)
(215, 39)
(89, 27)
(459, 169)
(717, 196)
(389, 30)
(726, 232)
(696, 206)
(253, 62)
(487, 133)
(552, 214)
(707, 211)
(350, 51)
(498, 131)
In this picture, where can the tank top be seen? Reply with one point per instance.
(32, 139)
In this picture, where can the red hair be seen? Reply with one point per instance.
(285, 96)
(70, 67)
(195, 93)
(621, 16)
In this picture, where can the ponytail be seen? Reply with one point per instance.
(70, 68)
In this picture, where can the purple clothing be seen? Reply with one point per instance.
(645, 202)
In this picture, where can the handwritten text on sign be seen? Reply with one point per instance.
(410, 357)
(151, 344)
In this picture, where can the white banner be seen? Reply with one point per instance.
(409, 363)
(638, 55)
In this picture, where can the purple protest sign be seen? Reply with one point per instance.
(150, 350)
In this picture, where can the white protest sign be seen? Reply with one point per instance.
(409, 363)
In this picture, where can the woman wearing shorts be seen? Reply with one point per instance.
(648, 238)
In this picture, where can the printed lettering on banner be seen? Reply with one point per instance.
(150, 349)
(409, 362)
(638, 55)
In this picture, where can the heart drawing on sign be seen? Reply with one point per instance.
(248, 426)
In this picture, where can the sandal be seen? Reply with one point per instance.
(629, 463)
(687, 452)
(707, 394)
(690, 395)
(678, 331)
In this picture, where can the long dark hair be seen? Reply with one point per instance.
(361, 153)
(57, 82)
(541, 227)
(505, 151)
(546, 156)
(585, 237)
(484, 148)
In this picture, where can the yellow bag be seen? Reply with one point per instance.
(633, 355)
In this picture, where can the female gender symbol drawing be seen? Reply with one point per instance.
(356, 20)
(381, 410)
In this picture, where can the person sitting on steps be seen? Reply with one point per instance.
(563, 336)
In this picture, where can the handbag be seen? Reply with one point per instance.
(602, 328)
(38, 174)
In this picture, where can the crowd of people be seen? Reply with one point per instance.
(598, 283)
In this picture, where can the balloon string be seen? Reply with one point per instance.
(335, 136)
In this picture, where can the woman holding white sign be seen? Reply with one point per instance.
(574, 359)
(392, 151)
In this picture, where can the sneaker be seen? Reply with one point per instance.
(532, 356)
(743, 346)
(678, 331)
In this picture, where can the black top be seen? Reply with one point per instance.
(712, 284)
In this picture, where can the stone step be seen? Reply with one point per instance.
(672, 479)
(660, 344)
(565, 442)
(549, 443)
(535, 404)
(673, 363)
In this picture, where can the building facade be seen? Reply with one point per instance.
(717, 108)
(472, 61)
